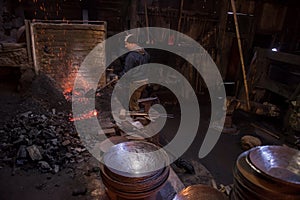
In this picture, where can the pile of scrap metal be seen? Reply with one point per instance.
(265, 108)
(277, 75)
(232, 104)
(293, 117)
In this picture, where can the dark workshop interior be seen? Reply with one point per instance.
(255, 46)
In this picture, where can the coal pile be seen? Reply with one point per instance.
(37, 132)
(44, 141)
(46, 91)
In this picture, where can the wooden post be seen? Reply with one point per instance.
(147, 22)
(180, 15)
(28, 42)
(133, 14)
(35, 64)
(222, 57)
(241, 54)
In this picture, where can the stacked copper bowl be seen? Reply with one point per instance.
(197, 192)
(267, 172)
(134, 170)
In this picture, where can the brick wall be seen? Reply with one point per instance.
(60, 49)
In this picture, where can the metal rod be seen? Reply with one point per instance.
(266, 131)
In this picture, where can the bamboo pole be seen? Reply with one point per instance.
(241, 53)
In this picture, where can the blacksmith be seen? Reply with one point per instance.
(135, 57)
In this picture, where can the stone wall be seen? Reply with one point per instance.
(11, 20)
(16, 57)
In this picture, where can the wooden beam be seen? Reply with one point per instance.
(28, 41)
(276, 87)
(283, 57)
(34, 58)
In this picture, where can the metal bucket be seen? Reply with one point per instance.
(267, 172)
(134, 177)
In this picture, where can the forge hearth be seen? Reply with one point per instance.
(59, 48)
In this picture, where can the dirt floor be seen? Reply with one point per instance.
(221, 160)
(72, 173)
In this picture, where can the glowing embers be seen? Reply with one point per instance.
(88, 115)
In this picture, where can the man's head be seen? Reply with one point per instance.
(130, 42)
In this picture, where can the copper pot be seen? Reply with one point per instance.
(138, 175)
(197, 192)
(267, 172)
